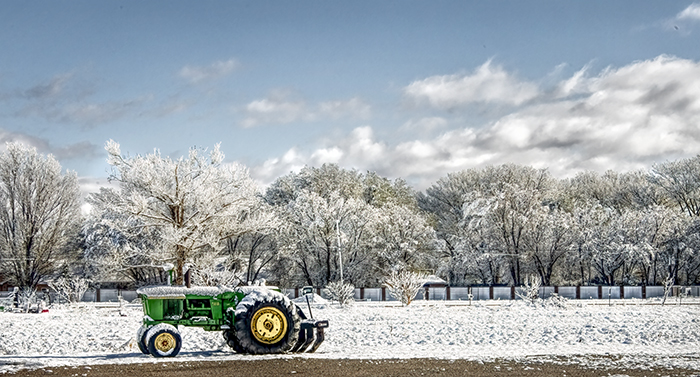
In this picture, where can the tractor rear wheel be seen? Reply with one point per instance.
(232, 341)
(266, 322)
(163, 340)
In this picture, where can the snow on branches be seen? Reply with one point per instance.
(344, 293)
(184, 206)
(71, 289)
(39, 216)
(404, 285)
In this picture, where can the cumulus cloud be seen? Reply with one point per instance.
(487, 84)
(278, 108)
(281, 107)
(216, 70)
(621, 118)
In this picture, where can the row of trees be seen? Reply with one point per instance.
(500, 224)
(496, 225)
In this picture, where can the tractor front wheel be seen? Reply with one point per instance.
(163, 340)
(266, 323)
(141, 339)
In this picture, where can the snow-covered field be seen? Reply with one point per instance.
(635, 334)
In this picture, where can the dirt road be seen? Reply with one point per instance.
(342, 368)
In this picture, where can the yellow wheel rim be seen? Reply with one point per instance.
(165, 342)
(269, 325)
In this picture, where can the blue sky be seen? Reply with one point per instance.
(411, 89)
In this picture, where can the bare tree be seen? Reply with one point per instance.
(39, 216)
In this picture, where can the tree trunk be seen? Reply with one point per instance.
(181, 253)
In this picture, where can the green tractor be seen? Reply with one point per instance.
(254, 320)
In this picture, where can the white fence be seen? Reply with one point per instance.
(512, 293)
(454, 293)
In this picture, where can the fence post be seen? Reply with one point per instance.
(644, 292)
(622, 291)
(600, 292)
(578, 292)
(427, 294)
(490, 292)
(383, 293)
(97, 295)
(296, 292)
(362, 293)
(447, 293)
(512, 292)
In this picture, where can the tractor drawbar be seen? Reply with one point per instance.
(306, 335)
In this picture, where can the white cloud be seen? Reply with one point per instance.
(574, 84)
(218, 69)
(338, 109)
(488, 84)
(621, 118)
(281, 108)
(692, 12)
(683, 22)
(425, 125)
(276, 109)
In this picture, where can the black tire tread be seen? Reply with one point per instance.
(254, 301)
(178, 342)
(141, 340)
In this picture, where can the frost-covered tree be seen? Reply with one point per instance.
(473, 256)
(317, 227)
(211, 269)
(39, 216)
(488, 211)
(70, 288)
(549, 241)
(653, 232)
(589, 219)
(445, 201)
(678, 255)
(344, 293)
(251, 254)
(403, 238)
(530, 289)
(521, 192)
(114, 252)
(680, 180)
(404, 285)
(183, 206)
(329, 213)
(616, 249)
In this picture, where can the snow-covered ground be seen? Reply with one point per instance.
(634, 334)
